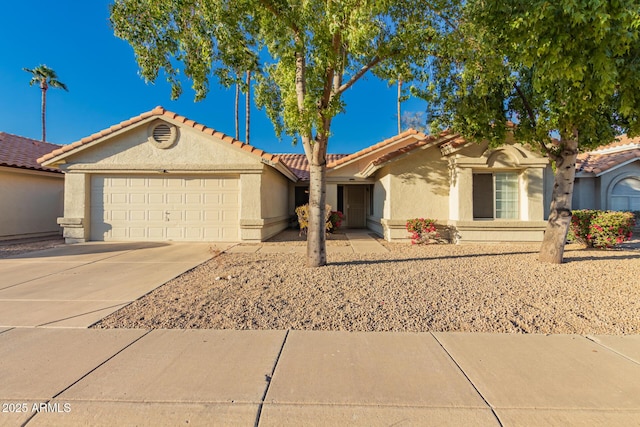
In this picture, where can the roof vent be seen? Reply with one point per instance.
(162, 135)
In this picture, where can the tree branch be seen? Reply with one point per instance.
(376, 59)
(532, 118)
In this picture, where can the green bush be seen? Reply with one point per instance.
(601, 229)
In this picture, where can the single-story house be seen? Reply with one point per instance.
(160, 176)
(30, 194)
(608, 178)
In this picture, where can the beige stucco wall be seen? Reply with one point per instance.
(275, 203)
(30, 203)
(420, 186)
(426, 184)
(192, 150)
(263, 191)
(531, 169)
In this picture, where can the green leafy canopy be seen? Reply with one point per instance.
(337, 41)
(568, 68)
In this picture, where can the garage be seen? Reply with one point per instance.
(162, 177)
(164, 208)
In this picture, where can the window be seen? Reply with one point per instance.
(625, 196)
(495, 195)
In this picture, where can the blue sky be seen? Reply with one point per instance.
(74, 38)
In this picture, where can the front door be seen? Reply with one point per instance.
(355, 203)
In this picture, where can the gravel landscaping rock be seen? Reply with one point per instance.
(474, 288)
(16, 247)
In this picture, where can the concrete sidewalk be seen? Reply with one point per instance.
(275, 378)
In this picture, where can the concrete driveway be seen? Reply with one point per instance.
(77, 285)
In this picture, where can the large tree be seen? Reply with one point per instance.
(45, 78)
(566, 73)
(311, 52)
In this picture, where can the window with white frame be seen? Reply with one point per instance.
(495, 195)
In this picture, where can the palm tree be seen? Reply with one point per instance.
(45, 77)
(248, 107)
(399, 101)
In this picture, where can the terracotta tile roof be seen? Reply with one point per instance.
(607, 157)
(19, 152)
(299, 165)
(386, 142)
(622, 141)
(454, 141)
(161, 112)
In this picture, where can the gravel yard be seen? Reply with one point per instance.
(476, 288)
(16, 247)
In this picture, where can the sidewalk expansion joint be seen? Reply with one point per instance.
(270, 378)
(612, 350)
(83, 377)
(44, 325)
(101, 364)
(493, 411)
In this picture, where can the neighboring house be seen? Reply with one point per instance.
(160, 176)
(30, 194)
(608, 178)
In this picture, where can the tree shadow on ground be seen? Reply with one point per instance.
(426, 258)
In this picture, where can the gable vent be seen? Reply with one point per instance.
(162, 133)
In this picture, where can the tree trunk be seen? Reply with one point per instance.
(555, 235)
(248, 108)
(399, 110)
(316, 233)
(44, 113)
(238, 110)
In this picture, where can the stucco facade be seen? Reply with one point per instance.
(437, 178)
(31, 196)
(160, 176)
(595, 192)
(175, 172)
(608, 178)
(31, 202)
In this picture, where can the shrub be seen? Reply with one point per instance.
(601, 229)
(335, 221)
(303, 217)
(422, 231)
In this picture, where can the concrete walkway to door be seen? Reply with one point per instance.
(77, 285)
(359, 241)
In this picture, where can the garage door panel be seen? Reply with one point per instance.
(140, 198)
(164, 208)
(193, 199)
(154, 198)
(119, 215)
(140, 215)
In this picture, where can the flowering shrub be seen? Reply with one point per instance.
(422, 230)
(335, 221)
(601, 229)
(303, 217)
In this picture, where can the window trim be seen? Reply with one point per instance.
(494, 193)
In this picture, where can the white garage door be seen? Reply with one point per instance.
(160, 208)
